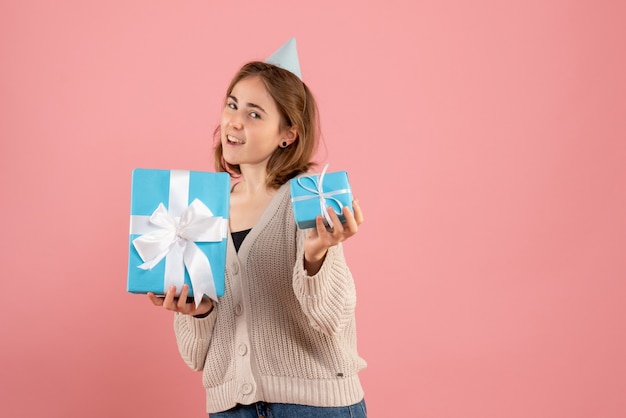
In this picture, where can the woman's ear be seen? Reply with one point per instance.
(289, 137)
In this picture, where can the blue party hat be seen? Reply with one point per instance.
(286, 57)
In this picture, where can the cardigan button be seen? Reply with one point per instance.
(238, 309)
(243, 349)
(246, 388)
(236, 268)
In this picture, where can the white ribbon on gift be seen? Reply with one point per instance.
(172, 235)
(318, 192)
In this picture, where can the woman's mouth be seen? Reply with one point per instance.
(234, 140)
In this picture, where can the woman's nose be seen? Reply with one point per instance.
(235, 121)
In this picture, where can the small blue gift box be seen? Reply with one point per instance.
(178, 231)
(310, 194)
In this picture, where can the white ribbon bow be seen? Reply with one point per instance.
(175, 241)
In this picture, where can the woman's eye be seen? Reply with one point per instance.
(232, 106)
(255, 115)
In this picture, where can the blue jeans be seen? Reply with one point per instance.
(289, 410)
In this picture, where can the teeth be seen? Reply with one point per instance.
(234, 140)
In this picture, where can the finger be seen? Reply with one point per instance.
(358, 213)
(169, 302)
(320, 226)
(337, 225)
(157, 301)
(351, 225)
(182, 299)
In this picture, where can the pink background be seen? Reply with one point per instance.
(485, 139)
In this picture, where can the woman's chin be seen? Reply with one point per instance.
(230, 159)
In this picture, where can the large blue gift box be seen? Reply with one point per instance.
(310, 194)
(178, 231)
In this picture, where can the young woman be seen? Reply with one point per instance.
(281, 342)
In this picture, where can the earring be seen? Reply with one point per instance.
(284, 144)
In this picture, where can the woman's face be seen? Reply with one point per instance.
(250, 124)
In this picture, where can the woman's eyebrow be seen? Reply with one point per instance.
(249, 105)
(256, 106)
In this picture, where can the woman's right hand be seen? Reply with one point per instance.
(179, 303)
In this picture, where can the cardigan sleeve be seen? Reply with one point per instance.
(193, 336)
(327, 298)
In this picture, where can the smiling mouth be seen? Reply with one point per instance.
(234, 140)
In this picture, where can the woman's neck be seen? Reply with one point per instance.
(253, 181)
(248, 200)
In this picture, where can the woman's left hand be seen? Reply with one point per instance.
(320, 239)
